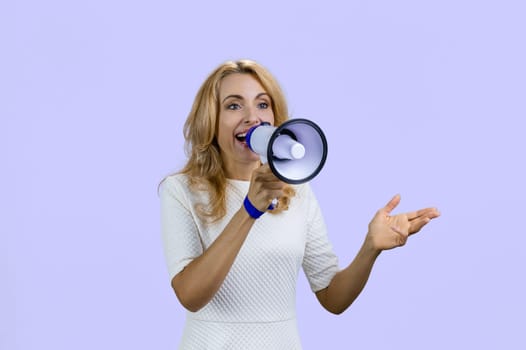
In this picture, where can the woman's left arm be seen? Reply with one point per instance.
(385, 232)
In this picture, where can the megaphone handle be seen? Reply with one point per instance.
(274, 202)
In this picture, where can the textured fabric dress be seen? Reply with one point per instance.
(255, 306)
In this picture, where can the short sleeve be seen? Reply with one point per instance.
(180, 234)
(320, 264)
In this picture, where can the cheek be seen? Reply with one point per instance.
(222, 137)
(224, 132)
(268, 117)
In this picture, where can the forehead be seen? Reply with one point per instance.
(242, 84)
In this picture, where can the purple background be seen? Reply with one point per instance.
(422, 98)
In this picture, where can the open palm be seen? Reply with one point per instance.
(389, 231)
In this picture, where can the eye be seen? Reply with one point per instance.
(233, 106)
(263, 105)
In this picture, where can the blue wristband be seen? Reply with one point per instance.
(252, 210)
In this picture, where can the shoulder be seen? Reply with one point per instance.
(180, 187)
(175, 180)
(174, 183)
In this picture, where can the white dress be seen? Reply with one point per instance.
(255, 306)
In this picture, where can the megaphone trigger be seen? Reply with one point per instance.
(273, 204)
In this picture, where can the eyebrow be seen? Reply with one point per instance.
(241, 97)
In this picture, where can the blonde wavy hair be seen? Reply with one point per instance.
(205, 166)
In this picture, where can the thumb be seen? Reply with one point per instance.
(393, 203)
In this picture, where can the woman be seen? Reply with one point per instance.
(233, 263)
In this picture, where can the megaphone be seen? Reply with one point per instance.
(295, 151)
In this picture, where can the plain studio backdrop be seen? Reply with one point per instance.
(421, 98)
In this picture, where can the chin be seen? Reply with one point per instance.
(253, 157)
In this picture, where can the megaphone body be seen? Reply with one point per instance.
(296, 150)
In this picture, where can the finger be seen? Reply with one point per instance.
(427, 212)
(414, 214)
(262, 169)
(265, 169)
(392, 204)
(417, 224)
(266, 176)
(275, 194)
(273, 185)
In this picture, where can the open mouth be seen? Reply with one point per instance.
(241, 137)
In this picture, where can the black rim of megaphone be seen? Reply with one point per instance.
(277, 132)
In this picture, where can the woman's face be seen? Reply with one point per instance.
(243, 103)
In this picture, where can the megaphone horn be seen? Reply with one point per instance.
(296, 150)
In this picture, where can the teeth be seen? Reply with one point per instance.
(241, 136)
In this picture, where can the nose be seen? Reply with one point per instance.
(251, 117)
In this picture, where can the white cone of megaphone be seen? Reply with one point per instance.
(296, 150)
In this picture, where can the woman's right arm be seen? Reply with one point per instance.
(200, 280)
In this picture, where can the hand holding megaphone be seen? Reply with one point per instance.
(264, 191)
(295, 151)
